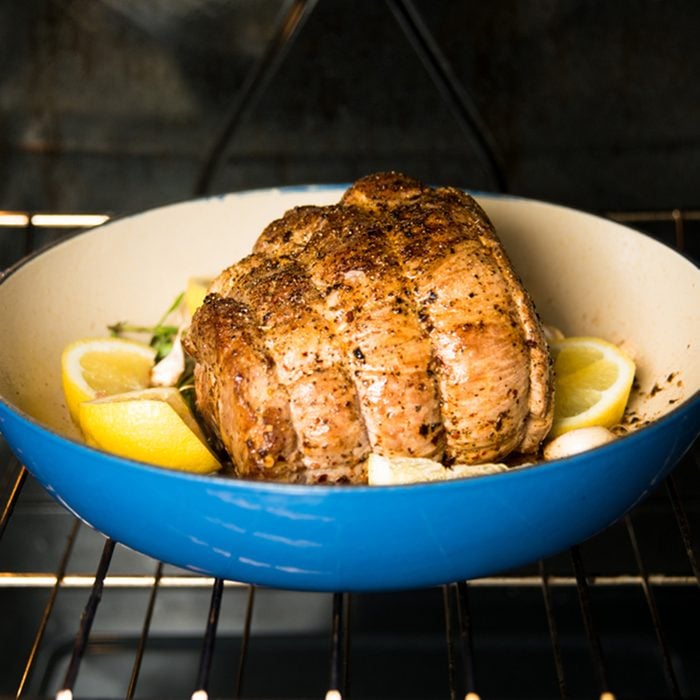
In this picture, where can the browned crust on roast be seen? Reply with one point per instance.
(238, 393)
(386, 348)
(308, 360)
(391, 321)
(494, 365)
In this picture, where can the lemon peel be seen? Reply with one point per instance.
(195, 291)
(96, 367)
(593, 380)
(151, 425)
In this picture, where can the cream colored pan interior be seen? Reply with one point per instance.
(588, 276)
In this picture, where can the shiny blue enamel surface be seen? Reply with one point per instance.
(353, 538)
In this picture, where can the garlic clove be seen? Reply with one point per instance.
(576, 441)
(168, 371)
(551, 332)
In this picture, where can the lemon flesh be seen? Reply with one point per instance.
(394, 470)
(96, 367)
(153, 426)
(593, 379)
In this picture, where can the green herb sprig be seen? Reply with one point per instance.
(162, 334)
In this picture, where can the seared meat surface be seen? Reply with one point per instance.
(390, 322)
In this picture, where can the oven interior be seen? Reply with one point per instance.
(114, 106)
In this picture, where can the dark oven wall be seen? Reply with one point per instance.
(116, 105)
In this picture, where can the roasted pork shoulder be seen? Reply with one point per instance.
(391, 322)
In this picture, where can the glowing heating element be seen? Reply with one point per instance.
(17, 219)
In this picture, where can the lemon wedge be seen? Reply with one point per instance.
(593, 380)
(151, 425)
(388, 471)
(195, 291)
(96, 367)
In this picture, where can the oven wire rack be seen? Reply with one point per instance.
(460, 633)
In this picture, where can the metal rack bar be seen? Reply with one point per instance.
(141, 648)
(16, 483)
(450, 86)
(145, 581)
(207, 654)
(679, 229)
(553, 631)
(449, 639)
(289, 25)
(654, 215)
(599, 666)
(347, 609)
(677, 217)
(458, 628)
(86, 620)
(683, 526)
(338, 651)
(667, 663)
(466, 639)
(245, 641)
(48, 608)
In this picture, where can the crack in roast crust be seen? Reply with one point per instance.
(389, 322)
